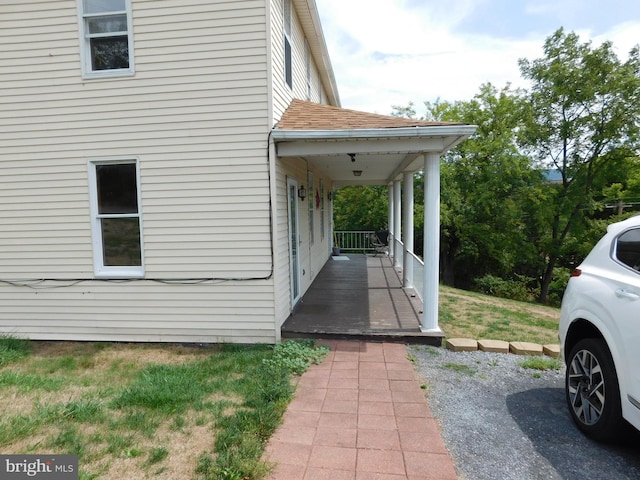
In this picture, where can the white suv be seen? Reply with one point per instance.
(600, 335)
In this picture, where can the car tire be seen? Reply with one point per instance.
(592, 390)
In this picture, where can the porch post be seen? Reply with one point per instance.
(431, 242)
(397, 218)
(407, 230)
(390, 223)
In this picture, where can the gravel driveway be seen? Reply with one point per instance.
(502, 421)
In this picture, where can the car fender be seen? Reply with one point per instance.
(588, 309)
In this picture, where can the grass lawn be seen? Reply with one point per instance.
(148, 411)
(474, 315)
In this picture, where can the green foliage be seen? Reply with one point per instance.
(168, 388)
(360, 208)
(583, 122)
(89, 411)
(296, 356)
(500, 215)
(518, 289)
(541, 363)
(12, 349)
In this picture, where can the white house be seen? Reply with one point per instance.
(151, 159)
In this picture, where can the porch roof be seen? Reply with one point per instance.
(339, 141)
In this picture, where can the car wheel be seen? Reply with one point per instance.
(592, 390)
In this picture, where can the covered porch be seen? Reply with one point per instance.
(357, 148)
(360, 297)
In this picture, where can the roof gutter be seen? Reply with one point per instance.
(460, 130)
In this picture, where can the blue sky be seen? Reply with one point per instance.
(390, 52)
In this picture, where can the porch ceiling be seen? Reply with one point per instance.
(383, 147)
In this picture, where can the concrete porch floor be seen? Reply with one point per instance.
(359, 297)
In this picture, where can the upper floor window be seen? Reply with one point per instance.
(107, 41)
(116, 219)
(288, 60)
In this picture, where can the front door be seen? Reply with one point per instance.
(294, 240)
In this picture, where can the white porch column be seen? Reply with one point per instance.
(390, 223)
(407, 230)
(397, 217)
(431, 242)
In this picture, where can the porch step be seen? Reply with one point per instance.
(400, 336)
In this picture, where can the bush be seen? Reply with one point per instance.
(517, 289)
(558, 285)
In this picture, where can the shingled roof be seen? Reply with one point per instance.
(302, 115)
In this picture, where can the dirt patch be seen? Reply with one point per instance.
(184, 447)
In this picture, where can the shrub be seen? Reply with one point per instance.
(517, 289)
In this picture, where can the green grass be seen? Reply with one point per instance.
(140, 406)
(541, 363)
(12, 349)
(460, 368)
(474, 315)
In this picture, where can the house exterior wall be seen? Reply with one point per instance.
(195, 116)
(312, 257)
(282, 93)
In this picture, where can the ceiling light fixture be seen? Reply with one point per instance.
(352, 156)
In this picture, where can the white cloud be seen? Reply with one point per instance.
(390, 52)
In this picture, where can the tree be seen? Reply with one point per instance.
(361, 208)
(487, 184)
(584, 113)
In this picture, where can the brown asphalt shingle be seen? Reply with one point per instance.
(302, 115)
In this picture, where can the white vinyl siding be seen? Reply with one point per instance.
(302, 77)
(312, 257)
(195, 116)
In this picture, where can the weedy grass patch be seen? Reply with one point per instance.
(149, 411)
(541, 363)
(475, 315)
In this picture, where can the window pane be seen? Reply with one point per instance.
(117, 192)
(628, 248)
(288, 67)
(121, 242)
(109, 53)
(99, 6)
(107, 24)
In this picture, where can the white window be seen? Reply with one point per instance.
(114, 186)
(307, 58)
(288, 60)
(106, 37)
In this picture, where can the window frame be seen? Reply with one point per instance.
(100, 269)
(287, 20)
(85, 43)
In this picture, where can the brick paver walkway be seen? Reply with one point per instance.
(360, 415)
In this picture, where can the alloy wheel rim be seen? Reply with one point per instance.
(586, 387)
